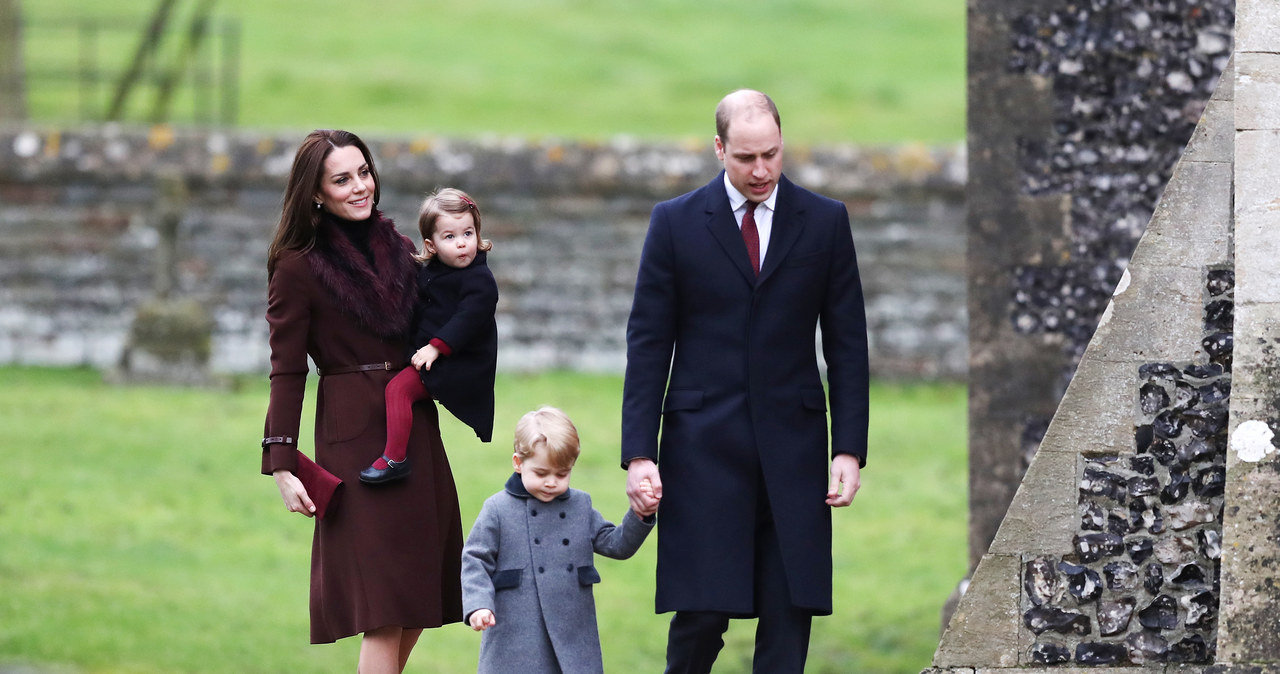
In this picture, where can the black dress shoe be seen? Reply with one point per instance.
(394, 471)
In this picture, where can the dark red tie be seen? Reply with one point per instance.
(751, 236)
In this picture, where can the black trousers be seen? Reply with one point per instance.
(782, 633)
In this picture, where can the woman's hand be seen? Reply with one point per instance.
(482, 619)
(294, 494)
(423, 358)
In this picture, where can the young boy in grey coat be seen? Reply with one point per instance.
(527, 567)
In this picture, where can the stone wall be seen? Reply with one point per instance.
(1249, 634)
(1145, 535)
(78, 237)
(1110, 553)
(1078, 112)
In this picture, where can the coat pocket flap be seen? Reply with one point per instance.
(587, 575)
(682, 399)
(507, 579)
(814, 399)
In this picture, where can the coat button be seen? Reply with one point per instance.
(537, 541)
(565, 541)
(533, 513)
(570, 567)
(561, 515)
(541, 570)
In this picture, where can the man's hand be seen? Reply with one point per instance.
(846, 479)
(644, 497)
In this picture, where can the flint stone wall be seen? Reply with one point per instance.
(1112, 551)
(1144, 534)
(78, 237)
(1078, 111)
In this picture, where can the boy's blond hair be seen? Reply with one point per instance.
(551, 428)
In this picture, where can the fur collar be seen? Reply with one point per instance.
(379, 298)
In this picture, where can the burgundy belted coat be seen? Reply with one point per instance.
(385, 555)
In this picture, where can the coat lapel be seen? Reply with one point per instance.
(724, 227)
(788, 222)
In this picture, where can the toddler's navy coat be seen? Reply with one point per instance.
(457, 307)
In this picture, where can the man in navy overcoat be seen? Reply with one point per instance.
(721, 358)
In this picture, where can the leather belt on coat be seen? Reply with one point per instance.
(368, 367)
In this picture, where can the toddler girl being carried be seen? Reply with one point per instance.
(453, 331)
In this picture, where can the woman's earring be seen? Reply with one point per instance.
(318, 205)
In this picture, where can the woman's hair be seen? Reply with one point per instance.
(551, 428)
(448, 200)
(299, 215)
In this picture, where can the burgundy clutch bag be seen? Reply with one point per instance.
(321, 485)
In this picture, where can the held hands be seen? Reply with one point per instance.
(426, 356)
(644, 486)
(294, 494)
(846, 472)
(482, 619)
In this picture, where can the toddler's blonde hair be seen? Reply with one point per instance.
(551, 428)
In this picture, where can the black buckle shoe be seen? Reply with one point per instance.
(394, 471)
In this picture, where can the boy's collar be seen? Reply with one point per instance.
(515, 487)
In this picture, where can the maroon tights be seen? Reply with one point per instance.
(403, 391)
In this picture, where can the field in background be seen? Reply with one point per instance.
(136, 534)
(841, 70)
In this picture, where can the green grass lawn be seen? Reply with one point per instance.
(137, 536)
(840, 70)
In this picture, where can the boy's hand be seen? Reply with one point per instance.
(482, 620)
(423, 358)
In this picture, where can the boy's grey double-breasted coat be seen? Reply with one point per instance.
(532, 564)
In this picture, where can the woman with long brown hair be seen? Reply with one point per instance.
(341, 286)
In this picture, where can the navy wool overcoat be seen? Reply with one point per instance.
(723, 388)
